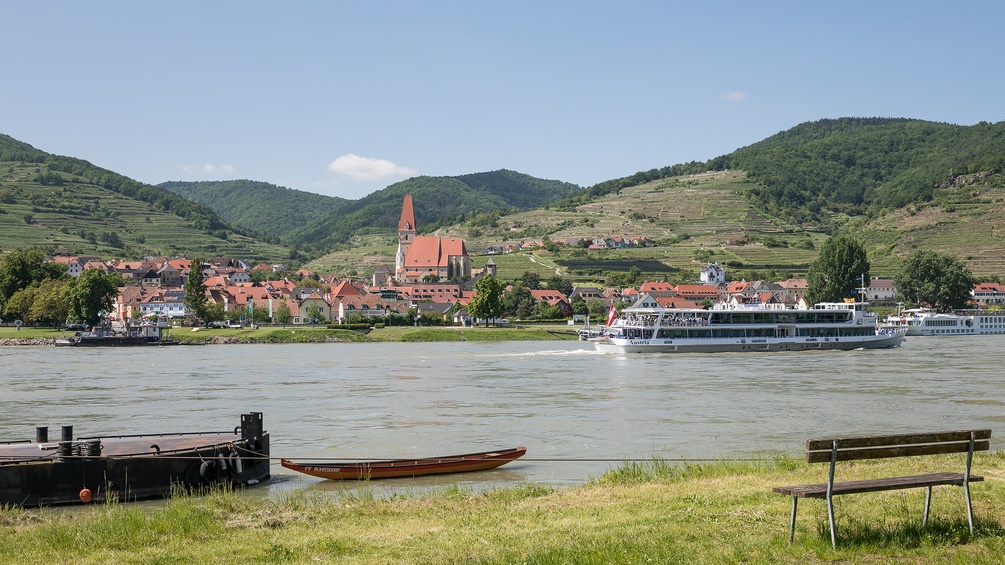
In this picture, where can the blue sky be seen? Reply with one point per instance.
(345, 98)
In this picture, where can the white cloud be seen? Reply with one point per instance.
(210, 169)
(367, 168)
(734, 96)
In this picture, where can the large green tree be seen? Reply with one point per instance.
(487, 302)
(516, 296)
(935, 280)
(195, 291)
(50, 303)
(91, 295)
(22, 268)
(838, 270)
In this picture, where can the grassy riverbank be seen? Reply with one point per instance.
(639, 513)
(308, 334)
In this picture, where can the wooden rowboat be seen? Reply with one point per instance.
(363, 470)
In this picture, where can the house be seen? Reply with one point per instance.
(698, 293)
(657, 289)
(881, 290)
(74, 265)
(795, 289)
(585, 293)
(315, 300)
(713, 273)
(553, 298)
(169, 275)
(164, 302)
(989, 293)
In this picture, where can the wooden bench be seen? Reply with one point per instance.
(879, 447)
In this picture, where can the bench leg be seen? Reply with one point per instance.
(830, 516)
(928, 505)
(792, 520)
(970, 506)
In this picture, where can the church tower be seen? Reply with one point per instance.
(406, 235)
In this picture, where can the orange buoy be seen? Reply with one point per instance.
(85, 495)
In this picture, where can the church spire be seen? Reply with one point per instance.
(407, 221)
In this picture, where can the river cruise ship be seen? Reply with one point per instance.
(925, 321)
(826, 326)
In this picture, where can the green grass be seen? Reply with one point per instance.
(650, 512)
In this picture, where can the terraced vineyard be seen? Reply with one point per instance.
(688, 220)
(84, 218)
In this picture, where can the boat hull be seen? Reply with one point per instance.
(127, 468)
(399, 468)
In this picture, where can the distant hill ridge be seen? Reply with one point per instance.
(318, 223)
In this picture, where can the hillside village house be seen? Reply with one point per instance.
(881, 290)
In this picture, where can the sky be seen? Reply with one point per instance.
(346, 98)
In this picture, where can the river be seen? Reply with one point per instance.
(575, 410)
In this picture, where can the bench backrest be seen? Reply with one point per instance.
(901, 445)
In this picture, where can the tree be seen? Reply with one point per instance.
(313, 314)
(91, 295)
(515, 296)
(50, 302)
(20, 303)
(837, 271)
(195, 291)
(213, 312)
(935, 280)
(531, 280)
(282, 314)
(487, 301)
(557, 282)
(23, 267)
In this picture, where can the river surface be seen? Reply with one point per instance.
(578, 412)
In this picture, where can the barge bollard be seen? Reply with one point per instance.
(67, 433)
(41, 434)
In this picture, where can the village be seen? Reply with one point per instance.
(432, 281)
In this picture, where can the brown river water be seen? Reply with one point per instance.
(579, 413)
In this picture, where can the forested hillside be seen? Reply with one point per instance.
(856, 166)
(320, 223)
(54, 201)
(270, 210)
(821, 174)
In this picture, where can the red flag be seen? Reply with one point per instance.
(611, 315)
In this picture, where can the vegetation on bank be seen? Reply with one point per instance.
(646, 512)
(320, 334)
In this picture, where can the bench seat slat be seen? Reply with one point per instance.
(896, 439)
(875, 485)
(898, 451)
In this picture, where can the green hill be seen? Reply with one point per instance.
(828, 170)
(62, 202)
(321, 223)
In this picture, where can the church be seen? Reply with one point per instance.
(420, 256)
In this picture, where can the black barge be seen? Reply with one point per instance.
(130, 467)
